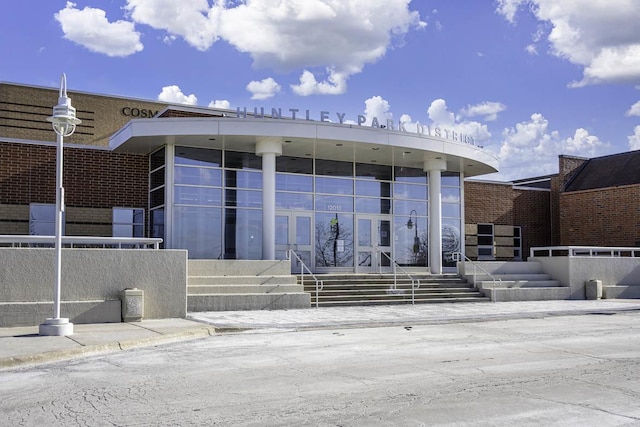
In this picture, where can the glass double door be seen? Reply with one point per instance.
(294, 232)
(373, 249)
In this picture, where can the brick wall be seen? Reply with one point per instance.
(601, 217)
(531, 210)
(96, 179)
(486, 202)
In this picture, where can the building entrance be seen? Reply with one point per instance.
(373, 248)
(294, 231)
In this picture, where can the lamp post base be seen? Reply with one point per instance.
(56, 327)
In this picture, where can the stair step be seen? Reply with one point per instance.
(488, 284)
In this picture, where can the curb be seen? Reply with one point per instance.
(110, 347)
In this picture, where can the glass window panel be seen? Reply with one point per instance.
(239, 160)
(303, 230)
(334, 203)
(334, 240)
(485, 240)
(282, 230)
(373, 188)
(369, 205)
(156, 223)
(450, 194)
(288, 182)
(122, 230)
(300, 165)
(413, 175)
(451, 210)
(198, 229)
(198, 196)
(157, 159)
(242, 179)
(379, 172)
(157, 178)
(364, 232)
(296, 201)
(198, 176)
(451, 241)
(42, 219)
(404, 207)
(128, 215)
(243, 234)
(485, 229)
(333, 185)
(450, 179)
(384, 233)
(485, 251)
(410, 191)
(198, 157)
(411, 244)
(244, 198)
(334, 168)
(157, 197)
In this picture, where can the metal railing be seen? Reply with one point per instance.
(459, 256)
(584, 251)
(20, 241)
(415, 283)
(303, 266)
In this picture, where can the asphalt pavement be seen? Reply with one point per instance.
(22, 346)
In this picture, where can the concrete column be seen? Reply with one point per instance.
(269, 149)
(435, 167)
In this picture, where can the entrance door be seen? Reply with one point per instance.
(373, 249)
(293, 231)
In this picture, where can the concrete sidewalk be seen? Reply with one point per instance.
(23, 346)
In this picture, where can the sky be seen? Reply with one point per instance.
(529, 79)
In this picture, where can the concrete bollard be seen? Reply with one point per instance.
(132, 305)
(593, 289)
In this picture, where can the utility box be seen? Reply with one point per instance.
(593, 289)
(132, 305)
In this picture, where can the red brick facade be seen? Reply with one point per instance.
(92, 178)
(603, 217)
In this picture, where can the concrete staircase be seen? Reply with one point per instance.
(515, 281)
(228, 285)
(378, 289)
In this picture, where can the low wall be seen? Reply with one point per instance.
(575, 271)
(92, 278)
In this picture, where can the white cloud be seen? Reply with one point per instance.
(263, 89)
(335, 84)
(283, 35)
(531, 149)
(634, 110)
(508, 9)
(193, 20)
(488, 109)
(90, 28)
(634, 140)
(220, 103)
(603, 37)
(439, 113)
(377, 107)
(173, 94)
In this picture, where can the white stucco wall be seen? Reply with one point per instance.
(27, 275)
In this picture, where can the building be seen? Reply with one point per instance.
(250, 184)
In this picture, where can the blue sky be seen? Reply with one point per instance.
(529, 79)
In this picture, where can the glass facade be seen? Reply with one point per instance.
(342, 215)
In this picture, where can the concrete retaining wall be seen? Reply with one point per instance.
(92, 280)
(575, 271)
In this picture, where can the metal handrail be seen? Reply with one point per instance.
(581, 251)
(395, 276)
(459, 256)
(73, 241)
(319, 283)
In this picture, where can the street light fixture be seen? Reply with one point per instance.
(64, 123)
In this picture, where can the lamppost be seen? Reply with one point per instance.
(416, 239)
(64, 123)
